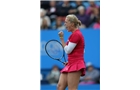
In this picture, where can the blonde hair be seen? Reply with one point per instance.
(73, 19)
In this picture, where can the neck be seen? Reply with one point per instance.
(74, 30)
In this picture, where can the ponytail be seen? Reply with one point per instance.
(79, 23)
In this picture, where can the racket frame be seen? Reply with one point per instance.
(58, 59)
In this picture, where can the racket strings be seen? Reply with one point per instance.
(54, 49)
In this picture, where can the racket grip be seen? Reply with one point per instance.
(61, 61)
(65, 63)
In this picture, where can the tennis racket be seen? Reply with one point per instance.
(54, 50)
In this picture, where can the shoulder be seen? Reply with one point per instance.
(78, 32)
(75, 37)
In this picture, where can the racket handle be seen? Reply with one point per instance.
(65, 63)
(61, 61)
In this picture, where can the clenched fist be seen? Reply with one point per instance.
(61, 34)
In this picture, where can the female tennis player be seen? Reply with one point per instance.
(75, 67)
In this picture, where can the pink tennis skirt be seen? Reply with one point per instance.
(75, 66)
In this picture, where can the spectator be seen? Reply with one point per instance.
(91, 7)
(92, 75)
(83, 17)
(97, 24)
(44, 25)
(78, 4)
(59, 24)
(44, 5)
(66, 9)
(52, 11)
(93, 11)
(44, 20)
(53, 76)
(93, 17)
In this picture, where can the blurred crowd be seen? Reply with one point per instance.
(92, 76)
(53, 13)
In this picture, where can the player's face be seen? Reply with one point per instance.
(68, 25)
